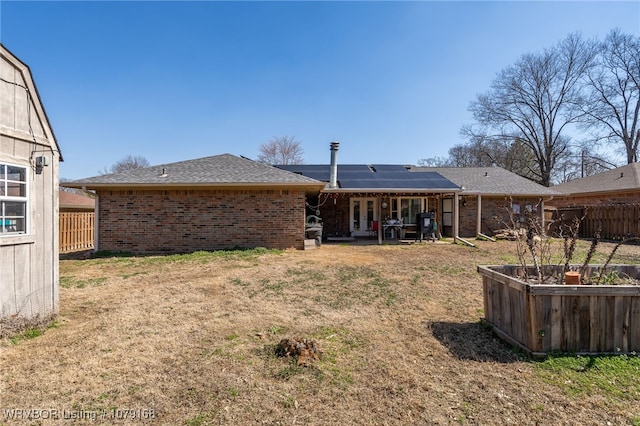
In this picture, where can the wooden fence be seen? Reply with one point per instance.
(76, 231)
(615, 222)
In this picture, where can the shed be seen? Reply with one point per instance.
(210, 203)
(29, 160)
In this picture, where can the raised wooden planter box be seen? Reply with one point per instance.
(543, 318)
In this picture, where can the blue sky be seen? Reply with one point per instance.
(171, 81)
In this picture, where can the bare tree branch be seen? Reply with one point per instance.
(534, 101)
(127, 163)
(613, 87)
(281, 150)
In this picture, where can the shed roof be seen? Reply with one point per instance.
(490, 181)
(625, 178)
(375, 177)
(39, 128)
(223, 170)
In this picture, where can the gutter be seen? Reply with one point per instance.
(224, 185)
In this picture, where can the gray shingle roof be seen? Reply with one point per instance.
(490, 181)
(218, 170)
(623, 178)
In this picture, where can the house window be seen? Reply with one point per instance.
(13, 199)
(407, 208)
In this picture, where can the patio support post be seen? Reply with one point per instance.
(456, 216)
(96, 223)
(479, 216)
(379, 221)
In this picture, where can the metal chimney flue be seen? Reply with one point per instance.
(333, 176)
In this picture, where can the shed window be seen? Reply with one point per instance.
(13, 199)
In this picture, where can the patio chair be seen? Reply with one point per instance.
(373, 228)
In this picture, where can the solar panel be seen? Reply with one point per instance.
(385, 176)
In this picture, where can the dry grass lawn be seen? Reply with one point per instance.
(190, 340)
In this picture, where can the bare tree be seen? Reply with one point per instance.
(614, 92)
(534, 101)
(281, 150)
(512, 155)
(435, 162)
(127, 163)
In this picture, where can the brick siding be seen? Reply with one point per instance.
(495, 213)
(335, 217)
(182, 221)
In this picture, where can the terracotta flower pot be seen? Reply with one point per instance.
(572, 278)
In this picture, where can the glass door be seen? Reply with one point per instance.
(447, 217)
(362, 212)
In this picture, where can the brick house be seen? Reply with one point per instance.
(616, 186)
(609, 202)
(463, 201)
(29, 169)
(488, 192)
(211, 203)
(71, 202)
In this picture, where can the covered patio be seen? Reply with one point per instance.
(380, 201)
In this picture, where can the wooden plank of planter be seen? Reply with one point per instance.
(497, 305)
(555, 335)
(620, 318)
(626, 323)
(605, 324)
(634, 321)
(550, 320)
(486, 297)
(610, 324)
(584, 325)
(584, 290)
(505, 324)
(519, 296)
(535, 333)
(573, 319)
(595, 345)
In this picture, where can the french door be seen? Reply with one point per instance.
(362, 211)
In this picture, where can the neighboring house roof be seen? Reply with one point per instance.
(40, 129)
(625, 178)
(490, 181)
(223, 170)
(375, 177)
(69, 200)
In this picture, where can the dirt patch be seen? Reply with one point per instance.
(193, 341)
(304, 351)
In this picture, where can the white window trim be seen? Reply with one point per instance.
(27, 213)
(396, 213)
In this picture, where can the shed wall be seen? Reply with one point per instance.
(181, 221)
(28, 262)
